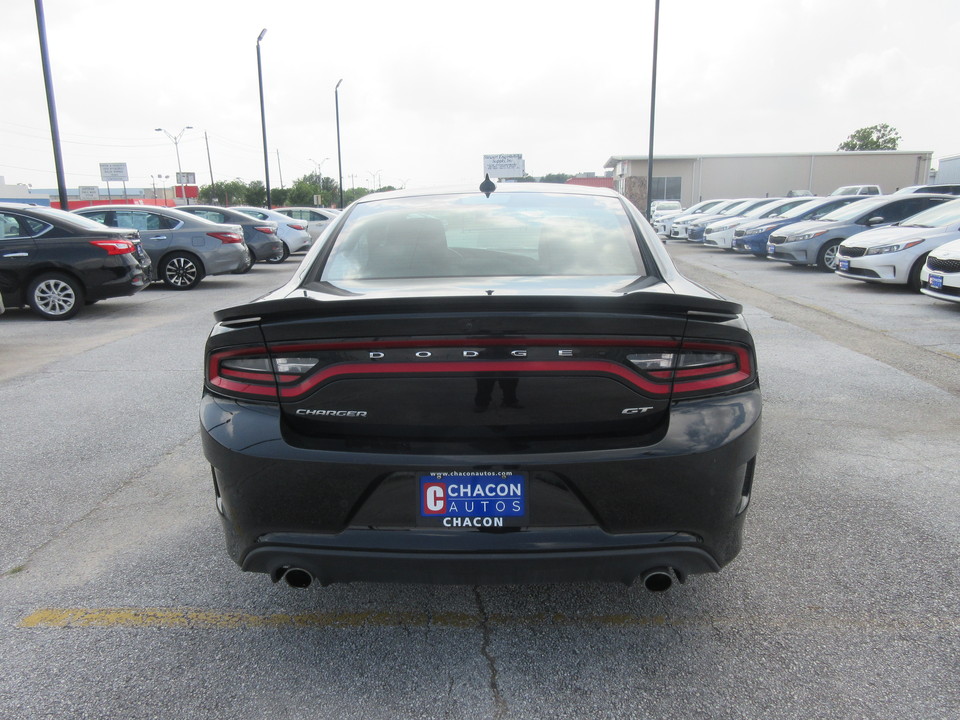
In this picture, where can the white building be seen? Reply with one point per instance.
(691, 178)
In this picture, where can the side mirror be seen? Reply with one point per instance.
(878, 220)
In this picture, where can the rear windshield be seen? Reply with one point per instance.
(507, 234)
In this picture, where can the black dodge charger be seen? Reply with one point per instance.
(499, 386)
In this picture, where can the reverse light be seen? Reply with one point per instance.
(114, 247)
(896, 247)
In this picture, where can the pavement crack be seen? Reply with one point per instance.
(499, 703)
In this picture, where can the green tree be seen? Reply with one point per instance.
(875, 137)
(255, 194)
(555, 178)
(227, 193)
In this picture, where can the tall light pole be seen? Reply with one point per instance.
(263, 120)
(336, 100)
(653, 104)
(176, 145)
(51, 105)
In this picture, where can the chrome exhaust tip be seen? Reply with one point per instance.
(658, 579)
(297, 577)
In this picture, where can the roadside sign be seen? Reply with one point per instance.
(89, 192)
(113, 172)
(186, 178)
(504, 166)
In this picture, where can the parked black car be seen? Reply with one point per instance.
(56, 262)
(260, 235)
(484, 388)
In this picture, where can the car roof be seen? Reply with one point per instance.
(505, 187)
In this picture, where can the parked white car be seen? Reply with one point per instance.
(896, 254)
(292, 232)
(940, 276)
(317, 219)
(719, 234)
(664, 223)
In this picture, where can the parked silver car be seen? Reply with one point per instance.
(816, 242)
(317, 219)
(260, 235)
(293, 233)
(183, 248)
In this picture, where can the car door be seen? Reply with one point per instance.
(154, 230)
(18, 251)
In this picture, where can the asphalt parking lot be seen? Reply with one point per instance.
(117, 599)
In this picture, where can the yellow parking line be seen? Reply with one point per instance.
(201, 619)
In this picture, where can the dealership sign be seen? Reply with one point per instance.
(504, 166)
(113, 172)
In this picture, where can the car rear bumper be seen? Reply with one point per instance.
(565, 555)
(602, 515)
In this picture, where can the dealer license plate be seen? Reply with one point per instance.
(844, 265)
(936, 282)
(473, 499)
(770, 248)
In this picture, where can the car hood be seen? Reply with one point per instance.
(949, 251)
(891, 234)
(805, 226)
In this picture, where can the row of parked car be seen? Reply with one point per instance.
(56, 262)
(911, 237)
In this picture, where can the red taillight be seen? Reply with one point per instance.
(297, 227)
(265, 229)
(227, 237)
(114, 247)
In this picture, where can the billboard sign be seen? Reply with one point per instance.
(504, 166)
(114, 172)
(186, 178)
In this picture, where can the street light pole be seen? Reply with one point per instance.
(176, 146)
(263, 121)
(653, 104)
(336, 99)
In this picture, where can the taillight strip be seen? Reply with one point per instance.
(516, 367)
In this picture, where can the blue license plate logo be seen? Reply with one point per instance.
(473, 499)
(770, 247)
(936, 282)
(844, 265)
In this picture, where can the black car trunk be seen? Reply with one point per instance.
(456, 372)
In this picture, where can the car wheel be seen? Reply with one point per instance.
(55, 296)
(827, 257)
(283, 255)
(181, 271)
(245, 268)
(913, 279)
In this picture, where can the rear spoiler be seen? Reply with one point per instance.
(631, 303)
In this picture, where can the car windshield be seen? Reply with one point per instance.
(937, 216)
(507, 234)
(849, 213)
(803, 209)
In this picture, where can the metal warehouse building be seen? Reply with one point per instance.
(690, 178)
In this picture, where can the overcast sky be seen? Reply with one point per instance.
(430, 87)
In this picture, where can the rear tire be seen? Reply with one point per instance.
(283, 256)
(181, 271)
(827, 259)
(55, 296)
